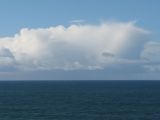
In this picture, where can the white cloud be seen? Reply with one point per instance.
(73, 47)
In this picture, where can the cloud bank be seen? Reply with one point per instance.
(151, 55)
(76, 47)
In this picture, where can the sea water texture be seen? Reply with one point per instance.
(80, 100)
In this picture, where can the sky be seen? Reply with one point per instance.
(79, 40)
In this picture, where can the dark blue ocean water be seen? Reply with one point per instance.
(80, 100)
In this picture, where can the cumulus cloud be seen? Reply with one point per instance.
(82, 47)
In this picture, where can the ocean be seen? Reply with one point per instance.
(80, 100)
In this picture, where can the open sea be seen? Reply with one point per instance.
(80, 100)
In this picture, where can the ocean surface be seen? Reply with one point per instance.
(80, 100)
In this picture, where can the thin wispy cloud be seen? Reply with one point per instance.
(78, 21)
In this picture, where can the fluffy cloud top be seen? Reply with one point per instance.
(75, 47)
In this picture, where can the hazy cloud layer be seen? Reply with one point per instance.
(151, 55)
(81, 47)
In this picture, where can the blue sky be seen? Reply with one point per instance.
(17, 15)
